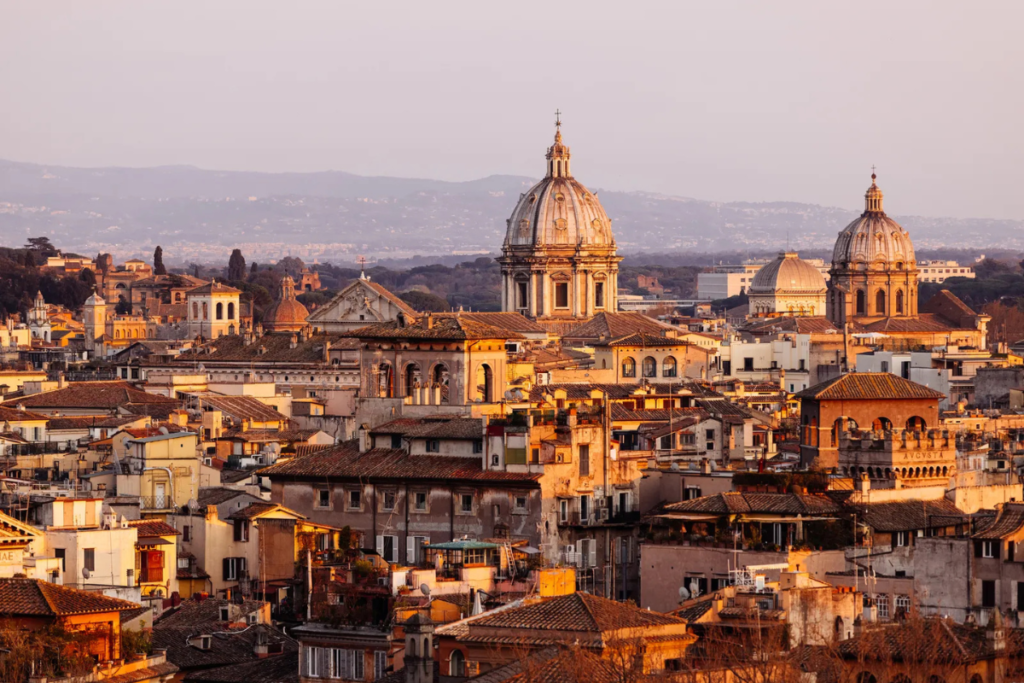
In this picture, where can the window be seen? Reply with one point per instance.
(650, 367)
(89, 559)
(521, 295)
(231, 311)
(691, 493)
(902, 539)
(988, 549)
(323, 499)
(628, 367)
(748, 364)
(598, 295)
(396, 440)
(59, 553)
(709, 436)
(882, 603)
(220, 311)
(186, 533)
(563, 511)
(355, 499)
(234, 568)
(988, 593)
(585, 504)
(535, 456)
(346, 664)
(478, 446)
(313, 662)
(902, 604)
(225, 614)
(1020, 596)
(241, 530)
(584, 461)
(419, 501)
(457, 664)
(433, 446)
(668, 367)
(561, 295)
(388, 500)
(414, 553)
(588, 553)
(466, 503)
(520, 504)
(387, 547)
(380, 664)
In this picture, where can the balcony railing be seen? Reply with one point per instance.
(154, 503)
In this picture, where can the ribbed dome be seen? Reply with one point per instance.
(874, 239)
(287, 314)
(789, 274)
(559, 210)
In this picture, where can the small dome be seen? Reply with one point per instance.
(789, 274)
(559, 210)
(287, 314)
(874, 241)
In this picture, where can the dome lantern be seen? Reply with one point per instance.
(873, 197)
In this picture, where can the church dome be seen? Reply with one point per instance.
(790, 274)
(286, 314)
(873, 241)
(559, 210)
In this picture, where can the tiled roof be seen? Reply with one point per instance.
(283, 668)
(242, 407)
(798, 324)
(151, 528)
(215, 495)
(32, 597)
(345, 461)
(556, 665)
(1009, 518)
(391, 296)
(157, 672)
(869, 386)
(909, 515)
(272, 347)
(932, 640)
(199, 614)
(271, 435)
(103, 395)
(87, 421)
(214, 288)
(575, 612)
(439, 427)
(508, 320)
(732, 503)
(695, 611)
(441, 326)
(924, 322)
(643, 339)
(11, 414)
(227, 648)
(254, 510)
(614, 325)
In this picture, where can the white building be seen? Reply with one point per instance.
(940, 271)
(784, 360)
(724, 281)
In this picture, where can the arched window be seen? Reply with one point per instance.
(439, 377)
(842, 424)
(412, 378)
(899, 301)
(485, 383)
(220, 311)
(206, 311)
(866, 677)
(457, 665)
(628, 367)
(880, 302)
(231, 310)
(668, 367)
(385, 385)
(860, 302)
(650, 367)
(195, 310)
(881, 424)
(916, 424)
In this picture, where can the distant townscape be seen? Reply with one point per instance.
(246, 464)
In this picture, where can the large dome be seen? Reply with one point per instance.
(874, 241)
(788, 274)
(559, 210)
(287, 314)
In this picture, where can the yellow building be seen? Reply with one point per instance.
(164, 471)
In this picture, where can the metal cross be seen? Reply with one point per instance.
(558, 119)
(872, 169)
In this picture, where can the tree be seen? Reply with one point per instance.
(88, 277)
(123, 307)
(425, 301)
(291, 265)
(42, 245)
(255, 268)
(236, 266)
(158, 261)
(30, 259)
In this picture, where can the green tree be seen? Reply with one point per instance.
(42, 245)
(158, 261)
(236, 266)
(425, 301)
(88, 277)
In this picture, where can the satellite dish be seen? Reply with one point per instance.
(201, 368)
(193, 504)
(425, 589)
(683, 594)
(85, 572)
(674, 467)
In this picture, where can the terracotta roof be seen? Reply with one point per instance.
(102, 395)
(214, 288)
(227, 648)
(271, 435)
(345, 461)
(273, 347)
(254, 510)
(614, 325)
(11, 414)
(552, 665)
(798, 324)
(283, 668)
(909, 515)
(869, 386)
(575, 612)
(434, 427)
(441, 326)
(242, 407)
(694, 612)
(215, 495)
(924, 322)
(86, 421)
(932, 640)
(1009, 519)
(733, 503)
(507, 320)
(391, 296)
(32, 597)
(151, 528)
(643, 339)
(197, 614)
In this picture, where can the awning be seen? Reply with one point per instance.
(529, 550)
(461, 545)
(156, 540)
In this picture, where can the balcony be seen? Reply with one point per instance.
(156, 503)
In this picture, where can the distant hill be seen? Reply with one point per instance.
(200, 215)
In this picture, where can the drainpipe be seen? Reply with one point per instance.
(170, 477)
(609, 589)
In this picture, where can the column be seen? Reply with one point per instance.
(588, 288)
(574, 292)
(532, 295)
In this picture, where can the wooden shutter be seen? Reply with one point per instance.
(380, 546)
(1011, 550)
(977, 548)
(997, 545)
(410, 550)
(227, 568)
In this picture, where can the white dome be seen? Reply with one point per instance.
(788, 274)
(559, 210)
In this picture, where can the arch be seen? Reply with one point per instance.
(206, 311)
(880, 302)
(219, 310)
(195, 310)
(457, 664)
(485, 383)
(976, 678)
(628, 367)
(413, 378)
(439, 377)
(916, 424)
(899, 301)
(861, 306)
(866, 677)
(945, 471)
(900, 678)
(650, 367)
(231, 310)
(839, 628)
(385, 380)
(412, 647)
(668, 367)
(842, 424)
(936, 679)
(881, 424)
(888, 473)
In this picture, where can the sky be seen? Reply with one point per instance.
(726, 101)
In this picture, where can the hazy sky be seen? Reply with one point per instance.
(716, 100)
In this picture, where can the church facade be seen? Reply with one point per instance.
(559, 263)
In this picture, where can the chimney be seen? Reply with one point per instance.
(571, 420)
(61, 382)
(293, 342)
(995, 632)
(364, 438)
(327, 351)
(705, 466)
(430, 321)
(863, 484)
